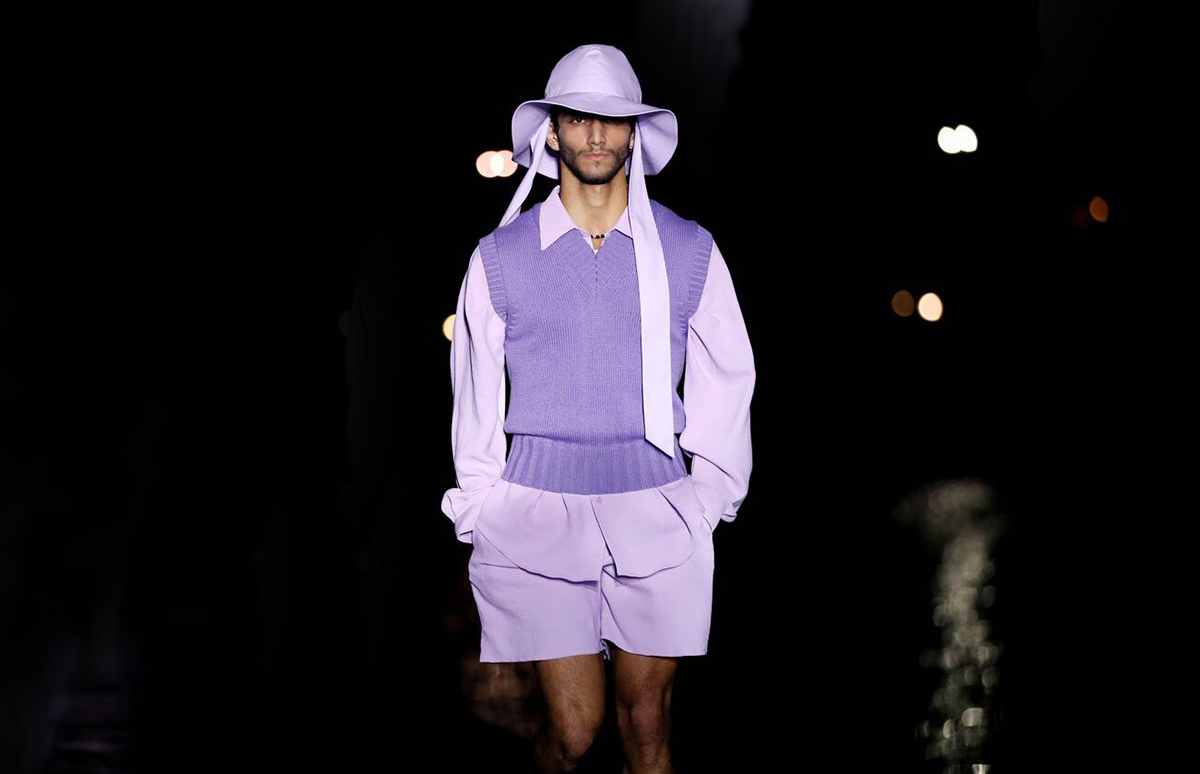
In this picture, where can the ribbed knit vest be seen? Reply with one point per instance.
(573, 349)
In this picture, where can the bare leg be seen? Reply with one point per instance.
(643, 699)
(574, 692)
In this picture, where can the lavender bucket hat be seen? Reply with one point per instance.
(599, 79)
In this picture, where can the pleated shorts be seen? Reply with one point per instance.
(557, 574)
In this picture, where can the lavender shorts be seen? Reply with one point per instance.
(557, 574)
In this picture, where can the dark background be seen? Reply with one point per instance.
(224, 532)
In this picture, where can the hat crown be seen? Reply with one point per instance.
(594, 69)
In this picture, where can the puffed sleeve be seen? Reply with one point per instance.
(478, 380)
(718, 383)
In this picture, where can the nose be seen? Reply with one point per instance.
(596, 133)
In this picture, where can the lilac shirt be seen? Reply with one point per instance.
(718, 384)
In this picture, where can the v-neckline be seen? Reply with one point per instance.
(594, 271)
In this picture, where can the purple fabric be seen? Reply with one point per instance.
(714, 414)
(530, 616)
(567, 536)
(572, 346)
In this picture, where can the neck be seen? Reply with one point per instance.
(594, 208)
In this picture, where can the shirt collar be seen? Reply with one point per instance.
(554, 220)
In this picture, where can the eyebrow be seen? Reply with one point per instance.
(594, 115)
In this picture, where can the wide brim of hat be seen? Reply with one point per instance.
(657, 132)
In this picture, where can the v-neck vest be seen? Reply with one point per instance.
(573, 351)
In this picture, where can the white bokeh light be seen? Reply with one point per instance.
(484, 164)
(960, 139)
(930, 307)
(495, 163)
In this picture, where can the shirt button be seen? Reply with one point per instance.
(599, 499)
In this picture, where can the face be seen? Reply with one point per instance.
(581, 135)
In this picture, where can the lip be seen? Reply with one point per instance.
(597, 155)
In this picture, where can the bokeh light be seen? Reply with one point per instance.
(483, 164)
(930, 307)
(958, 520)
(495, 163)
(960, 139)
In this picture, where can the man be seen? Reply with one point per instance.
(593, 533)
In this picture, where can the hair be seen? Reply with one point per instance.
(556, 112)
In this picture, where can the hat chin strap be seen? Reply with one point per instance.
(654, 295)
(653, 290)
(538, 146)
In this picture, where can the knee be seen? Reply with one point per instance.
(576, 737)
(643, 721)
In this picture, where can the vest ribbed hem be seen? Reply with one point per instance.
(580, 468)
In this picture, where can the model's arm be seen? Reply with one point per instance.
(718, 382)
(477, 377)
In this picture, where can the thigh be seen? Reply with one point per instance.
(574, 690)
(643, 679)
(525, 616)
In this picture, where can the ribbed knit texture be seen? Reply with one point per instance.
(573, 349)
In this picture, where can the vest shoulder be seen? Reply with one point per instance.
(524, 222)
(665, 217)
(527, 220)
